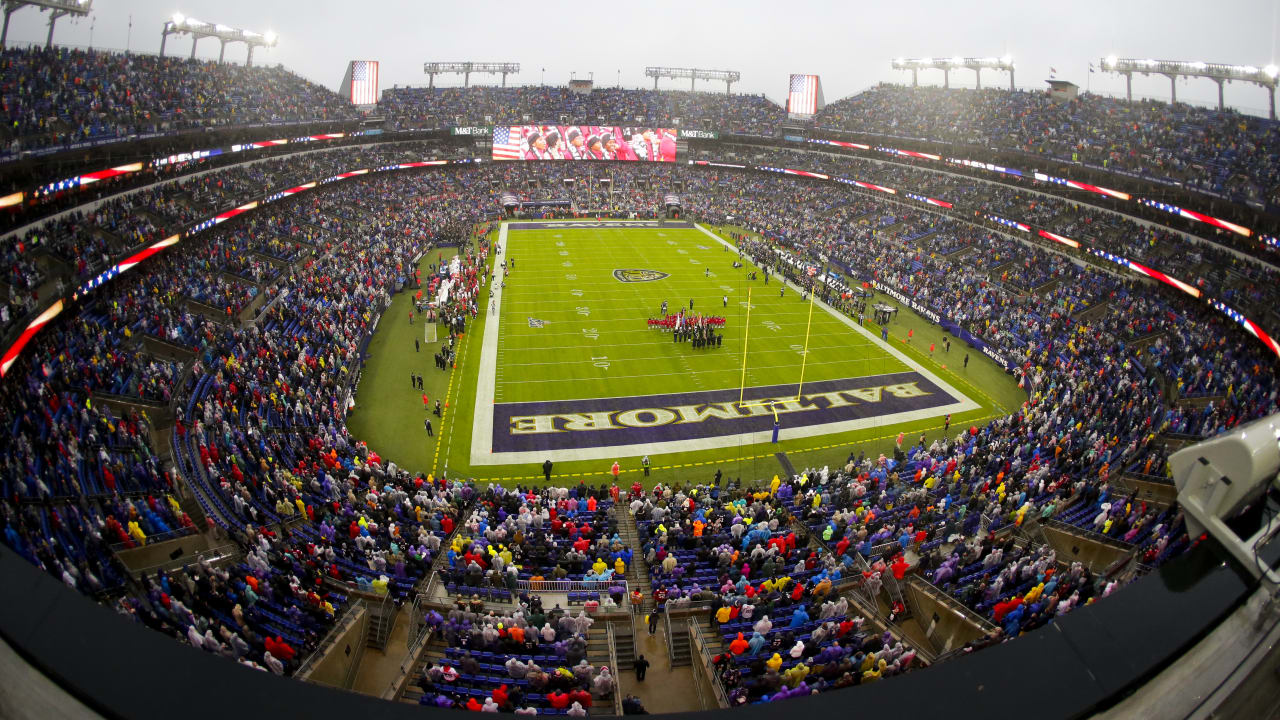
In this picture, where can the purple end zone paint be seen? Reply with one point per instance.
(604, 422)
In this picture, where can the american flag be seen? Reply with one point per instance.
(364, 82)
(506, 143)
(803, 99)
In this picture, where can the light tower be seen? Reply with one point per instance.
(198, 30)
(1173, 69)
(946, 65)
(56, 8)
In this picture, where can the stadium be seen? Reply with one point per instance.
(950, 398)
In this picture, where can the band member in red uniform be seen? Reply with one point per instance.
(595, 148)
(537, 147)
(576, 148)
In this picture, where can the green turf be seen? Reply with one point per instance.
(594, 340)
(389, 415)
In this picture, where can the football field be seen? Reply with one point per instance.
(573, 329)
(573, 370)
(562, 365)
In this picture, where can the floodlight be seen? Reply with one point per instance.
(1270, 70)
(1007, 59)
(179, 24)
(1111, 61)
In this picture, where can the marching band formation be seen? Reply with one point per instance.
(697, 329)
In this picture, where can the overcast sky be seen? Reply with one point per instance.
(849, 44)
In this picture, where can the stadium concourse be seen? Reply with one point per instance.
(182, 358)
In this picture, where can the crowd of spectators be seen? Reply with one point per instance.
(1248, 284)
(530, 660)
(57, 97)
(1225, 153)
(447, 107)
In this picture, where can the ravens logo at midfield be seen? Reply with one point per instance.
(639, 275)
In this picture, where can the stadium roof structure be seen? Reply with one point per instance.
(693, 75)
(179, 24)
(466, 68)
(946, 65)
(59, 8)
(1174, 69)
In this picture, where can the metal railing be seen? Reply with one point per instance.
(613, 664)
(154, 539)
(213, 555)
(567, 586)
(954, 604)
(358, 611)
(1087, 534)
(698, 647)
(671, 646)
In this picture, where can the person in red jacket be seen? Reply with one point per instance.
(899, 567)
(739, 645)
(580, 696)
(558, 700)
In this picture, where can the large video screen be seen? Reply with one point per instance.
(584, 142)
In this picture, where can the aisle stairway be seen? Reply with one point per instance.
(638, 572)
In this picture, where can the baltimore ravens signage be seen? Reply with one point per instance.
(602, 422)
(639, 275)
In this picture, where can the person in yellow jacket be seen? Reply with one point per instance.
(619, 566)
(598, 567)
(874, 674)
(1033, 594)
(135, 532)
(774, 485)
(795, 675)
(774, 662)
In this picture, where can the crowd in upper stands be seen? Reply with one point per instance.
(1227, 153)
(56, 97)
(447, 107)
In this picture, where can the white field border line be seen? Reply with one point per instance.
(482, 433)
(487, 381)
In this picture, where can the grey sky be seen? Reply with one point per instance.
(850, 44)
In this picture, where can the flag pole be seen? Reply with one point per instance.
(804, 359)
(746, 330)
